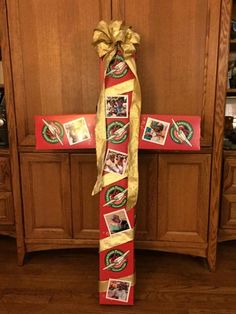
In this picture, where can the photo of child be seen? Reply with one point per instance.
(117, 221)
(156, 131)
(117, 106)
(118, 290)
(76, 131)
(115, 162)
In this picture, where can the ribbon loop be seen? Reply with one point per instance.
(109, 37)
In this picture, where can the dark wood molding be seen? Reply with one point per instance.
(218, 131)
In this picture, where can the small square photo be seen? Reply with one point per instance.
(156, 131)
(115, 162)
(117, 221)
(117, 106)
(76, 131)
(118, 290)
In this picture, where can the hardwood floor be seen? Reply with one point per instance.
(65, 282)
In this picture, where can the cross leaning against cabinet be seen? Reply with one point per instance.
(182, 71)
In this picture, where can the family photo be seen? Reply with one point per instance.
(117, 106)
(115, 162)
(118, 290)
(156, 131)
(76, 131)
(117, 221)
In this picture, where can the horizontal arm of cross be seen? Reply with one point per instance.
(157, 132)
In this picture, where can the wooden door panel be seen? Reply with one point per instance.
(229, 183)
(46, 195)
(5, 174)
(183, 197)
(6, 209)
(146, 224)
(55, 68)
(228, 211)
(177, 57)
(85, 206)
(228, 204)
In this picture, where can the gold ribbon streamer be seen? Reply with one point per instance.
(116, 239)
(107, 39)
(104, 284)
(121, 88)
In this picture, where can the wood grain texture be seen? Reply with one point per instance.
(85, 207)
(184, 182)
(146, 208)
(5, 174)
(191, 248)
(59, 73)
(227, 223)
(6, 209)
(229, 176)
(10, 107)
(176, 73)
(66, 282)
(218, 131)
(46, 195)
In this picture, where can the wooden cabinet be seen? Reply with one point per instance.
(7, 219)
(54, 70)
(6, 201)
(146, 229)
(177, 57)
(227, 230)
(184, 183)
(58, 204)
(85, 207)
(177, 193)
(6, 210)
(46, 195)
(5, 174)
(59, 72)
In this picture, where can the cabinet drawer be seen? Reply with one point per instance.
(6, 209)
(5, 174)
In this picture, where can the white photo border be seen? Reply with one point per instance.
(127, 109)
(112, 213)
(116, 152)
(73, 121)
(119, 280)
(166, 133)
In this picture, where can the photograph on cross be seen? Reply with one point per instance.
(76, 131)
(115, 162)
(117, 106)
(118, 290)
(117, 221)
(156, 131)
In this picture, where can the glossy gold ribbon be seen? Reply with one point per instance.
(116, 239)
(107, 39)
(104, 284)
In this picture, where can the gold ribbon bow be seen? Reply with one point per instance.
(107, 39)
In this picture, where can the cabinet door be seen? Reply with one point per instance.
(183, 197)
(6, 209)
(5, 174)
(147, 198)
(46, 195)
(85, 207)
(228, 206)
(55, 68)
(177, 57)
